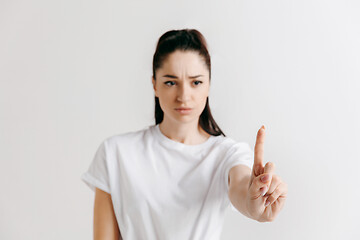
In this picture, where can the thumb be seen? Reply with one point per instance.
(269, 167)
(260, 185)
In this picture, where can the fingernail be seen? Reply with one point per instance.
(263, 191)
(267, 203)
(265, 178)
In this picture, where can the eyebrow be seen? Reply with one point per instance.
(172, 76)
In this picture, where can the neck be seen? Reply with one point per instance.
(189, 133)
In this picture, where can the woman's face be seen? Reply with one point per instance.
(182, 82)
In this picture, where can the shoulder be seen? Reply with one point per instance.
(127, 138)
(235, 152)
(230, 145)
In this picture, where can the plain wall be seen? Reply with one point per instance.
(75, 72)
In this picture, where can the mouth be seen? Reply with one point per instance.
(183, 110)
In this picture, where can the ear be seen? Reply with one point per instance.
(154, 85)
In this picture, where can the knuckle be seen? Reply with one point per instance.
(274, 196)
(271, 199)
(270, 164)
(277, 192)
(285, 187)
(280, 179)
(258, 166)
(259, 183)
(276, 178)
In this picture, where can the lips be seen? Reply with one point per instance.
(184, 111)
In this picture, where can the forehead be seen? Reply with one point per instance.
(184, 61)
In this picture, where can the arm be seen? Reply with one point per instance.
(239, 178)
(105, 223)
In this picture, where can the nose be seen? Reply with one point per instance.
(183, 93)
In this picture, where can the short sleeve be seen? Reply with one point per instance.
(97, 174)
(239, 153)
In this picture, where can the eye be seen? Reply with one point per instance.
(173, 83)
(166, 83)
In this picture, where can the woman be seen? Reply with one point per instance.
(175, 179)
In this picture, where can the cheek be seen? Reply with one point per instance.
(202, 100)
(168, 97)
(166, 100)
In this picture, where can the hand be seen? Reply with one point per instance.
(265, 197)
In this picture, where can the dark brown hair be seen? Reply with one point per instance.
(191, 40)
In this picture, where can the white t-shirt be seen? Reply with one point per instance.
(162, 189)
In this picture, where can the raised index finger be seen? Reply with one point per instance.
(259, 148)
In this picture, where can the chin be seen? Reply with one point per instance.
(185, 118)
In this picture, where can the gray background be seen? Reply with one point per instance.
(75, 72)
